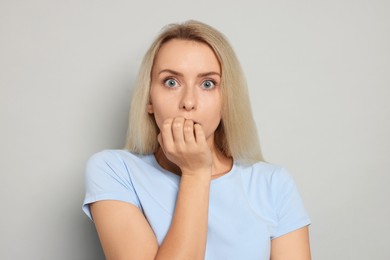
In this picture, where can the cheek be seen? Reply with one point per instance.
(213, 114)
(214, 106)
(161, 112)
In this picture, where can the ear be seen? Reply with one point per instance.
(150, 108)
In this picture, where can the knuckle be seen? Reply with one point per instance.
(187, 128)
(177, 124)
(166, 125)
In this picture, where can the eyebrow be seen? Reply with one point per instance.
(205, 74)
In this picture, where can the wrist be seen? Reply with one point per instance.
(202, 175)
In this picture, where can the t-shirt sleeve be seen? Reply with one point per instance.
(107, 178)
(290, 212)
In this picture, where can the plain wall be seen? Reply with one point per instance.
(319, 78)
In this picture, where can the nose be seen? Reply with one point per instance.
(189, 99)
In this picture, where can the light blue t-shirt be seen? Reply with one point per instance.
(249, 206)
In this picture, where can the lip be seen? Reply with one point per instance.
(195, 122)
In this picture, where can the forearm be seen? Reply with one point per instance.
(186, 238)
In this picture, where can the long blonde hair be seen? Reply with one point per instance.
(236, 135)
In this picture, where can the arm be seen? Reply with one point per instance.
(186, 238)
(125, 233)
(292, 246)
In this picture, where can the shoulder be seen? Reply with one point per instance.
(264, 173)
(114, 158)
(266, 185)
(272, 193)
(114, 162)
(107, 177)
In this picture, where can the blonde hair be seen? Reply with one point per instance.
(236, 135)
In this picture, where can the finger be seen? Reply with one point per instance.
(166, 134)
(188, 129)
(177, 130)
(199, 133)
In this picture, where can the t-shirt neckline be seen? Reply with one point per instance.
(159, 167)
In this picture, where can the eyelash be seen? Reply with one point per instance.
(209, 80)
(165, 80)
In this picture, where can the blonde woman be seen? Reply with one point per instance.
(191, 183)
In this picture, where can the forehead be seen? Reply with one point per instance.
(186, 54)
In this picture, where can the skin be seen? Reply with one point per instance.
(185, 100)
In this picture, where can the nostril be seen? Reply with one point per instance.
(188, 106)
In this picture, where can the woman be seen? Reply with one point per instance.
(190, 183)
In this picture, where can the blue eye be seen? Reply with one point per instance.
(208, 84)
(170, 83)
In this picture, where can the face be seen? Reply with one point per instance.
(185, 83)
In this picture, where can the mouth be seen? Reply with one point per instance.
(195, 122)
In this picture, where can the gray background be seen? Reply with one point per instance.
(319, 78)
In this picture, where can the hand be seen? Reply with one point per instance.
(184, 143)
